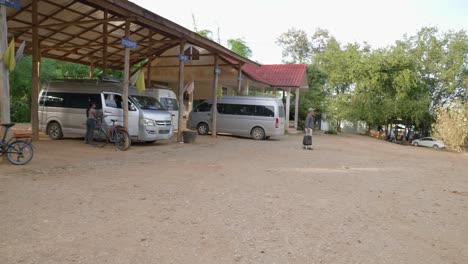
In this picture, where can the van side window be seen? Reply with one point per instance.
(115, 101)
(242, 109)
(109, 100)
(69, 100)
(169, 103)
(52, 99)
(203, 107)
(78, 101)
(264, 110)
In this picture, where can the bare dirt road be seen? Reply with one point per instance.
(231, 200)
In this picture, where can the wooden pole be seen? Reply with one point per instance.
(105, 41)
(4, 75)
(246, 87)
(36, 72)
(215, 96)
(148, 63)
(181, 91)
(296, 108)
(91, 69)
(239, 78)
(126, 77)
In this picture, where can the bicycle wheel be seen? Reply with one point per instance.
(122, 140)
(19, 152)
(99, 138)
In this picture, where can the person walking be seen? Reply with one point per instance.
(309, 125)
(90, 122)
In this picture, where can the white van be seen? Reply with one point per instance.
(63, 103)
(255, 116)
(168, 100)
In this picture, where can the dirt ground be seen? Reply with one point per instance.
(353, 199)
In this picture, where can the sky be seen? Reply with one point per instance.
(261, 22)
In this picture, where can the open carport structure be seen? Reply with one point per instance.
(91, 32)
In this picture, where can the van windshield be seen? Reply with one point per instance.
(169, 103)
(147, 103)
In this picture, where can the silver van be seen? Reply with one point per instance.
(63, 103)
(254, 116)
(168, 99)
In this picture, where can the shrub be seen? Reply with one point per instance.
(451, 126)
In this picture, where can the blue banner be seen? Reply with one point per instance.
(11, 3)
(128, 43)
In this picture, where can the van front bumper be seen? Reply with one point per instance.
(152, 133)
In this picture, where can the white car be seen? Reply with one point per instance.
(429, 142)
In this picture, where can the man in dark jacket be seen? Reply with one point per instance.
(309, 125)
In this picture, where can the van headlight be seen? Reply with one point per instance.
(148, 122)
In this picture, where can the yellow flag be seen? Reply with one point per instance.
(140, 83)
(9, 56)
(220, 92)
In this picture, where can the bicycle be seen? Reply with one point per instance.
(115, 134)
(17, 150)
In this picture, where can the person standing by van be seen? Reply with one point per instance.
(309, 125)
(90, 122)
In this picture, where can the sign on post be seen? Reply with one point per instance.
(128, 43)
(11, 3)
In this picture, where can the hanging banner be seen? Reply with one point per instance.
(11, 3)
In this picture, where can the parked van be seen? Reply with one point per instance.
(63, 103)
(258, 117)
(168, 100)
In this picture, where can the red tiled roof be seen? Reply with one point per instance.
(278, 75)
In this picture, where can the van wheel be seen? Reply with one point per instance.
(54, 130)
(202, 129)
(258, 133)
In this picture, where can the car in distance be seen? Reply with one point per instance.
(428, 142)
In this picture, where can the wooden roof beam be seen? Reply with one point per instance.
(80, 22)
(100, 45)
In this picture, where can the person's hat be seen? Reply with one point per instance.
(311, 109)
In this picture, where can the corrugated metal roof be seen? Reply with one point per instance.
(278, 75)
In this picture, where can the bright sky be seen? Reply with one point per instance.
(261, 22)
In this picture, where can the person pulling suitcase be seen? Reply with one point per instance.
(309, 124)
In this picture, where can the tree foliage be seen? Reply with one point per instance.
(296, 46)
(240, 47)
(401, 84)
(451, 125)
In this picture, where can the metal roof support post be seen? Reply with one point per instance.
(36, 73)
(216, 72)
(181, 89)
(296, 108)
(4, 77)
(288, 107)
(126, 77)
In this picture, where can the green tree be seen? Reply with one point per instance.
(206, 33)
(296, 46)
(240, 47)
